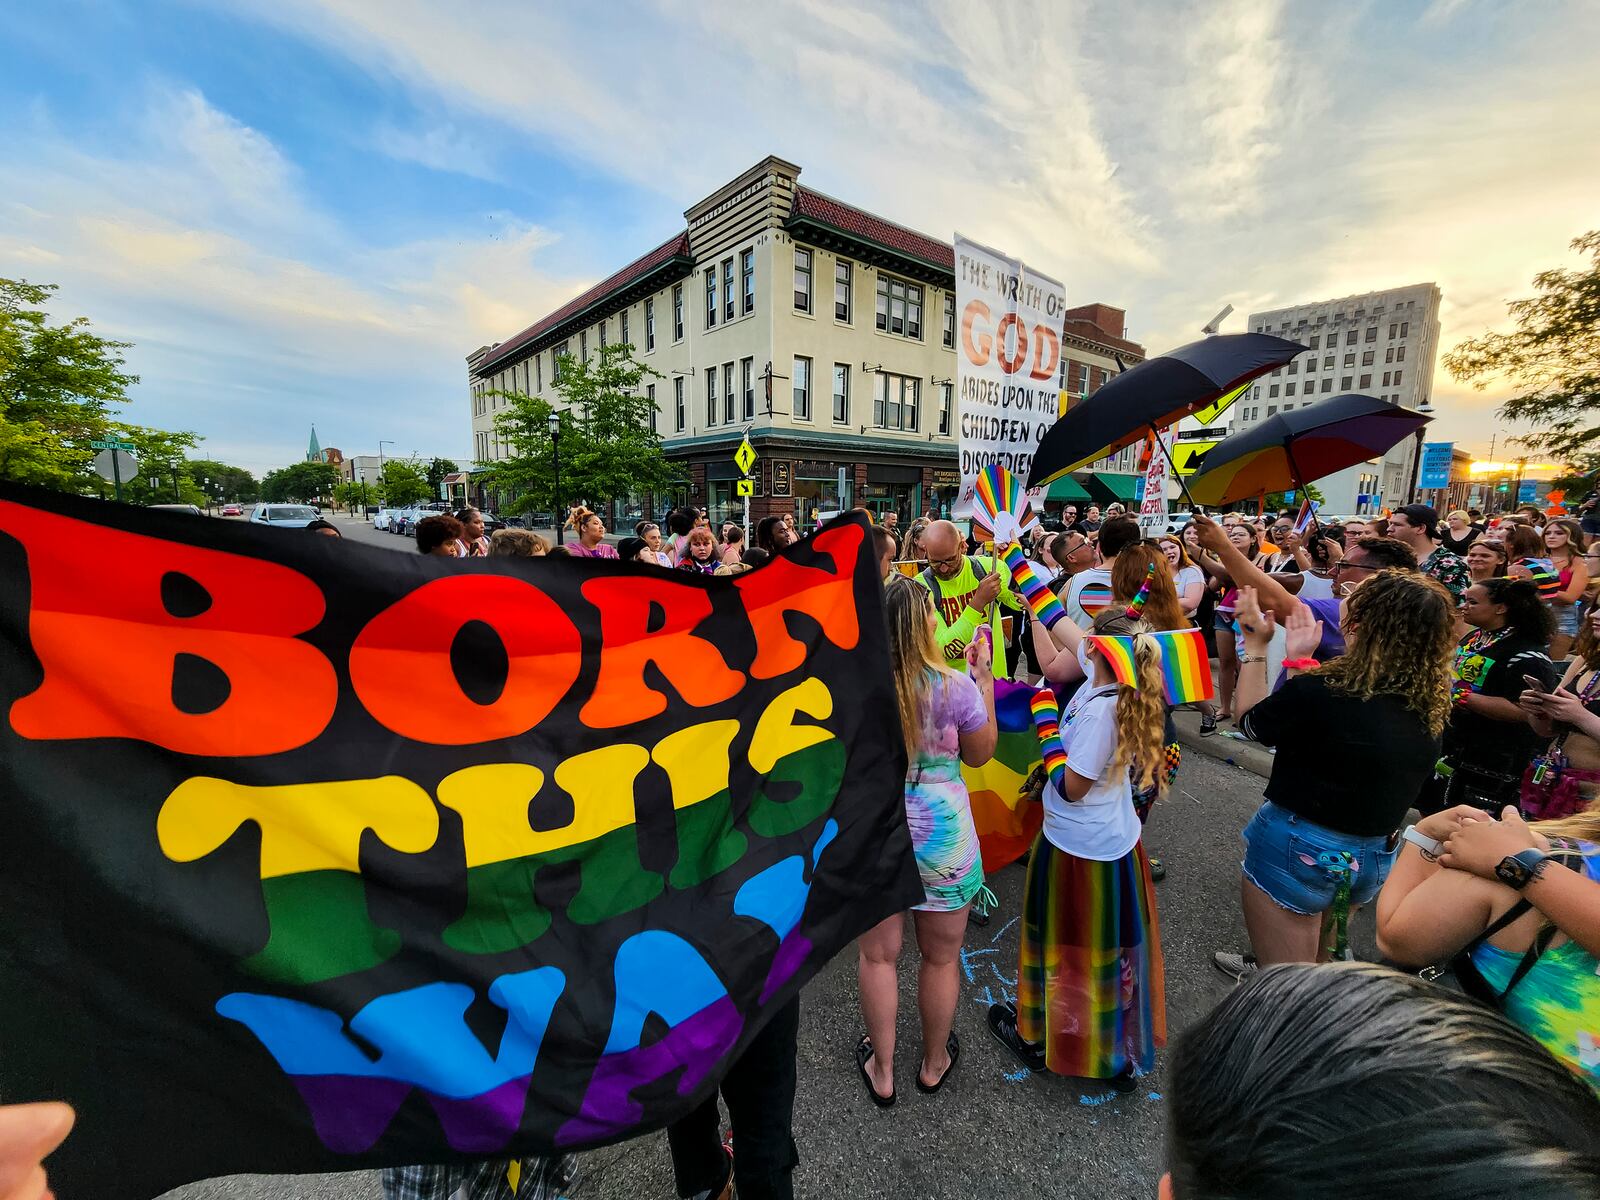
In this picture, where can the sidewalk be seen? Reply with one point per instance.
(1247, 755)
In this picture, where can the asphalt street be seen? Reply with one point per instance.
(995, 1130)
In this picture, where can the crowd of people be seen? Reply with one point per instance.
(1394, 664)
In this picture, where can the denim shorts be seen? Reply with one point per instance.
(1293, 861)
(1569, 618)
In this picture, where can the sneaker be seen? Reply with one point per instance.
(1124, 1081)
(1208, 725)
(1002, 1022)
(1158, 869)
(1237, 967)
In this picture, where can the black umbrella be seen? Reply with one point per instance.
(1155, 394)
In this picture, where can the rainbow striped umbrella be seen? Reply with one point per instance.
(1291, 449)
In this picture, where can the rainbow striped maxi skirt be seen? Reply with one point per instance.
(1091, 986)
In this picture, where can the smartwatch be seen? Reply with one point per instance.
(1431, 847)
(1517, 870)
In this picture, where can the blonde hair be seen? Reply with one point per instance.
(914, 657)
(517, 543)
(1142, 710)
(1399, 641)
(1458, 512)
(1584, 826)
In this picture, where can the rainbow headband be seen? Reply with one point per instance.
(1185, 666)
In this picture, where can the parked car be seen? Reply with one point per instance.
(183, 508)
(232, 510)
(284, 516)
(381, 518)
(493, 521)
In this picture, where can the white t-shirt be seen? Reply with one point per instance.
(1102, 826)
(1315, 587)
(1086, 594)
(1186, 576)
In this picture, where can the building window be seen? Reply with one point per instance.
(1315, 338)
(1397, 375)
(1366, 358)
(1388, 354)
(748, 378)
(583, 346)
(1344, 383)
(747, 268)
(538, 373)
(649, 324)
(1271, 409)
(650, 395)
(679, 415)
(1293, 367)
(729, 397)
(945, 392)
(1083, 379)
(1350, 338)
(602, 335)
(1399, 354)
(841, 290)
(1394, 328)
(1366, 382)
(1405, 325)
(555, 363)
(711, 395)
(950, 328)
(841, 393)
(711, 297)
(1272, 392)
(802, 385)
(677, 312)
(802, 279)
(1327, 385)
(1372, 333)
(895, 404)
(1327, 362)
(1288, 390)
(727, 289)
(622, 335)
(899, 307)
(1350, 359)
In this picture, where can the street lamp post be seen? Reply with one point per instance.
(555, 455)
(1414, 496)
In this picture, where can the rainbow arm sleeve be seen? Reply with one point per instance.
(1040, 599)
(1047, 724)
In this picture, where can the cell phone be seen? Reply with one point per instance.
(1536, 684)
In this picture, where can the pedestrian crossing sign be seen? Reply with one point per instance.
(746, 487)
(745, 455)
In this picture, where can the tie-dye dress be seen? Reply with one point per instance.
(1557, 1002)
(938, 810)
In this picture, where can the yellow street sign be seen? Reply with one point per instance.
(1207, 415)
(745, 455)
(745, 487)
(1184, 455)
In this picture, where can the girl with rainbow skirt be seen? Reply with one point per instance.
(1091, 998)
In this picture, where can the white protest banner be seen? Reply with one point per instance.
(1006, 365)
(1153, 508)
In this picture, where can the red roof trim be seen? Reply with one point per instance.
(673, 247)
(861, 223)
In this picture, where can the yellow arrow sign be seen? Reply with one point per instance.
(1185, 453)
(1207, 415)
(744, 456)
(745, 487)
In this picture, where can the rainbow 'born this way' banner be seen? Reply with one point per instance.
(320, 856)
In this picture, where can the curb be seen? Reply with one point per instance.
(1246, 755)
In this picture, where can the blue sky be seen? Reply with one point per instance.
(313, 210)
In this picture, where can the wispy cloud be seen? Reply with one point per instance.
(440, 146)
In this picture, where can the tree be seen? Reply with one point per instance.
(1553, 358)
(163, 468)
(353, 494)
(438, 468)
(301, 481)
(221, 482)
(609, 448)
(404, 483)
(58, 386)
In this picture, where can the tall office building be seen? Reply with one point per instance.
(1380, 344)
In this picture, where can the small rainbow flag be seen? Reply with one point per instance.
(1308, 509)
(1185, 668)
(997, 490)
(1040, 598)
(1047, 723)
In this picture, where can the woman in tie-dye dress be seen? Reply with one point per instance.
(947, 718)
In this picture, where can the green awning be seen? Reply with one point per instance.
(1116, 486)
(1066, 488)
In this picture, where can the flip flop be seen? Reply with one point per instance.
(863, 1057)
(953, 1046)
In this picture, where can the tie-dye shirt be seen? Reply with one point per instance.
(1558, 1001)
(938, 810)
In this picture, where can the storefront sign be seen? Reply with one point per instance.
(939, 477)
(782, 480)
(1006, 368)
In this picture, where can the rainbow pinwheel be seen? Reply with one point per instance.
(1000, 505)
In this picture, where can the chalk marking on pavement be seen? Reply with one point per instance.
(997, 974)
(1018, 1076)
(966, 966)
(1003, 930)
(1096, 1101)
